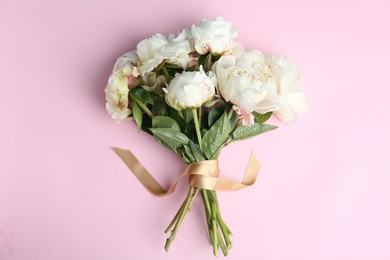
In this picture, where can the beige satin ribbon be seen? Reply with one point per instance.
(203, 174)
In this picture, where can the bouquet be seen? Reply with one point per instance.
(196, 92)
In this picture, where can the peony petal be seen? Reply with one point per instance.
(297, 101)
(286, 114)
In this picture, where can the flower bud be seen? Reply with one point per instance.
(189, 90)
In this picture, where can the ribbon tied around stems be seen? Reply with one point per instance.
(203, 175)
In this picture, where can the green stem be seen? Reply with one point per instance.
(222, 223)
(166, 74)
(200, 115)
(237, 124)
(180, 113)
(214, 228)
(192, 192)
(223, 247)
(197, 128)
(230, 113)
(208, 212)
(225, 230)
(143, 107)
(206, 201)
(214, 220)
(214, 193)
(180, 211)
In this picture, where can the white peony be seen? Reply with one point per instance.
(246, 82)
(189, 90)
(175, 50)
(121, 80)
(289, 88)
(237, 50)
(214, 36)
(127, 63)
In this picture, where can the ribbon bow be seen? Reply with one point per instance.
(203, 174)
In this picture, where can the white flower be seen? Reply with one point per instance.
(127, 62)
(213, 36)
(289, 88)
(189, 90)
(117, 103)
(246, 83)
(237, 50)
(121, 80)
(175, 50)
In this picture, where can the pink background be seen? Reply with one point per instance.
(324, 187)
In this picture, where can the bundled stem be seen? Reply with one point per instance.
(215, 223)
(179, 217)
(219, 233)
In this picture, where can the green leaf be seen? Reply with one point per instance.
(142, 95)
(197, 153)
(189, 153)
(186, 159)
(215, 114)
(208, 63)
(187, 115)
(261, 118)
(174, 149)
(216, 136)
(172, 66)
(171, 137)
(233, 120)
(204, 121)
(159, 108)
(243, 132)
(137, 114)
(202, 58)
(146, 123)
(169, 70)
(216, 57)
(164, 122)
(159, 67)
(190, 131)
(179, 120)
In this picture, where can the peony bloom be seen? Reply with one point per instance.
(175, 50)
(289, 88)
(237, 51)
(246, 82)
(189, 90)
(213, 36)
(121, 80)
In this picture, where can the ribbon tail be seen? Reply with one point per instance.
(142, 174)
(252, 170)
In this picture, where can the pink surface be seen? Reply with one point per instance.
(324, 186)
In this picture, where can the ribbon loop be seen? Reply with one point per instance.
(203, 174)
